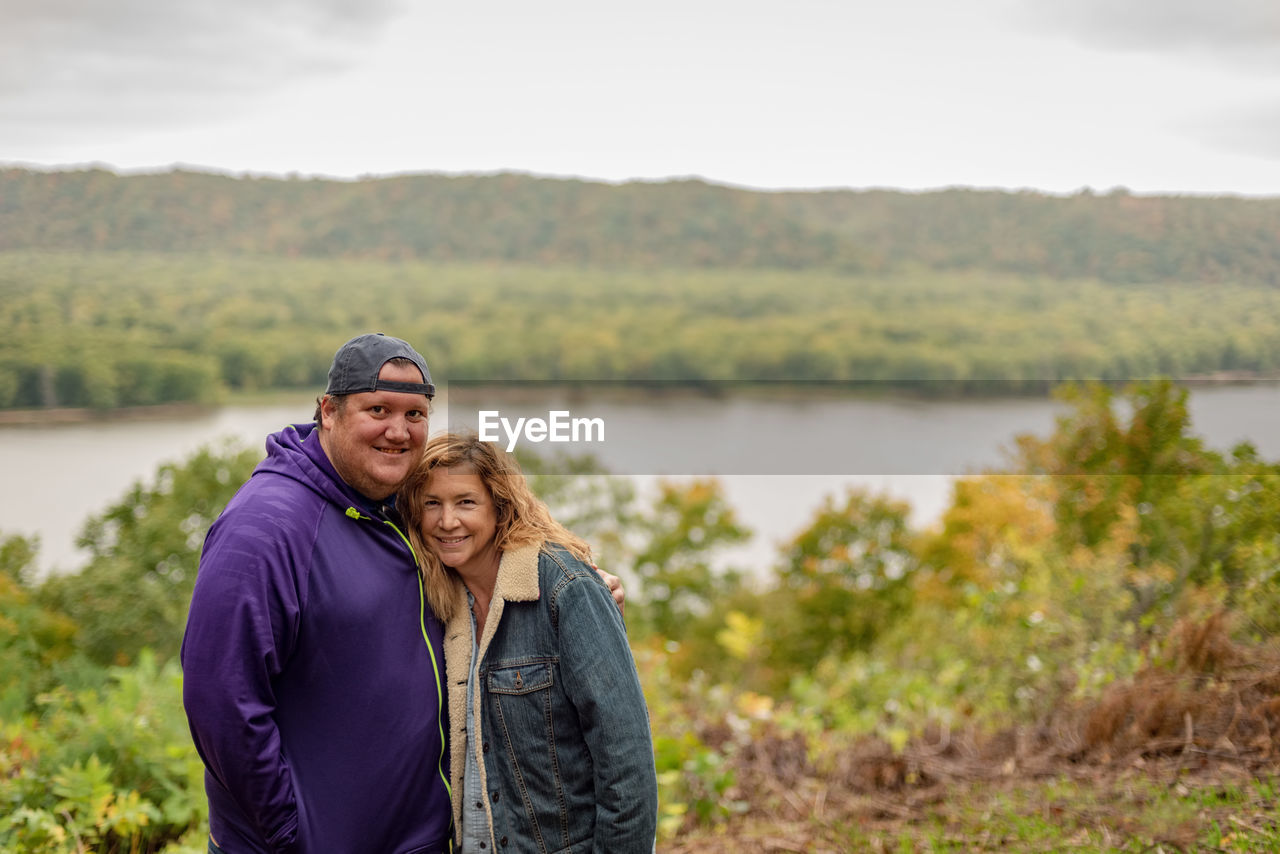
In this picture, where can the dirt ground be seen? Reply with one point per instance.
(1184, 757)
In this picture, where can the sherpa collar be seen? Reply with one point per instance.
(517, 582)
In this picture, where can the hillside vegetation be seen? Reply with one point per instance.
(1081, 656)
(105, 330)
(517, 218)
(179, 287)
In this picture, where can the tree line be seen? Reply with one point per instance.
(105, 330)
(514, 218)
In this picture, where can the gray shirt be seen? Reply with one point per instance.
(475, 823)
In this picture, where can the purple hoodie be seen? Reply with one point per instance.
(312, 669)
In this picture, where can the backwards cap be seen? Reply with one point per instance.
(357, 363)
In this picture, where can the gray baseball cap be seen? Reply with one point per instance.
(357, 363)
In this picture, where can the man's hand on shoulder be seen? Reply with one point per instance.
(615, 587)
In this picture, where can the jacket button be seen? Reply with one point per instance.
(494, 795)
(485, 747)
(503, 842)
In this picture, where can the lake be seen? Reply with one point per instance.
(777, 458)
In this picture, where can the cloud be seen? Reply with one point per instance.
(1228, 31)
(1249, 129)
(85, 65)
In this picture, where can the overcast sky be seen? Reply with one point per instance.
(1054, 95)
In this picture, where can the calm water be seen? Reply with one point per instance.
(777, 459)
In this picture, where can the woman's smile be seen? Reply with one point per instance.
(459, 521)
(450, 542)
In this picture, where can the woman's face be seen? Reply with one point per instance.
(459, 520)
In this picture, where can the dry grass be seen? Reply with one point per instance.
(1143, 767)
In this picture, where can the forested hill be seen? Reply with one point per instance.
(1114, 237)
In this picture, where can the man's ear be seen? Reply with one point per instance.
(328, 410)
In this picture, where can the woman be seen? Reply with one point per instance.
(550, 743)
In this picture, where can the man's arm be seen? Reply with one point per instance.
(238, 635)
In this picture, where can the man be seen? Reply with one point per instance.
(313, 674)
(312, 670)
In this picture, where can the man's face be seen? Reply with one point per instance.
(375, 439)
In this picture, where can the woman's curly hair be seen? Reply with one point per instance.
(522, 518)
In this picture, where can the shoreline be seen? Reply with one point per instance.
(797, 389)
(84, 415)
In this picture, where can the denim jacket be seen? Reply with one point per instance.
(564, 748)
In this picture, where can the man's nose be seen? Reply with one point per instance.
(398, 429)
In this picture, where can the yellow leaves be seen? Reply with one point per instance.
(741, 636)
(10, 591)
(700, 492)
(84, 789)
(671, 814)
(897, 738)
(993, 524)
(756, 706)
(127, 813)
(952, 673)
(93, 808)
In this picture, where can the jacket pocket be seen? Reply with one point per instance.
(523, 678)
